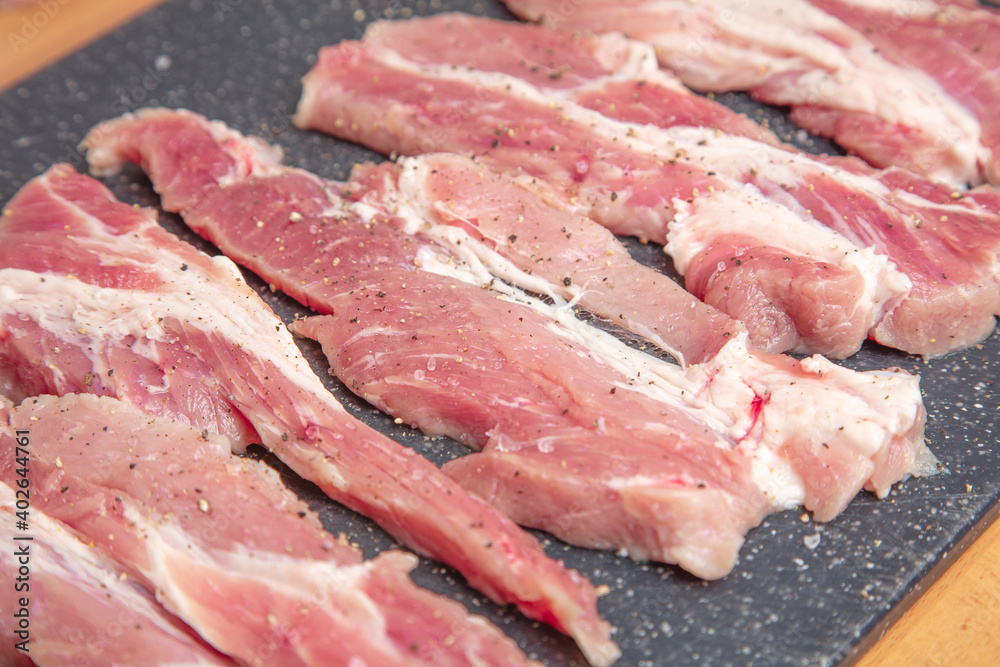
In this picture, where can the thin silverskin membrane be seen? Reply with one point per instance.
(123, 308)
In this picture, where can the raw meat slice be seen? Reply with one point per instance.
(152, 312)
(789, 266)
(958, 44)
(791, 53)
(595, 171)
(552, 251)
(601, 73)
(230, 550)
(588, 457)
(813, 433)
(599, 457)
(802, 424)
(342, 254)
(610, 74)
(233, 210)
(83, 608)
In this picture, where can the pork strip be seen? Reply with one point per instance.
(765, 274)
(83, 607)
(631, 179)
(810, 417)
(230, 550)
(127, 310)
(838, 83)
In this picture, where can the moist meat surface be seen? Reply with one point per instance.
(826, 426)
(229, 550)
(128, 310)
(837, 80)
(814, 254)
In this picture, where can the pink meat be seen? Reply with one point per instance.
(83, 608)
(766, 299)
(353, 95)
(835, 430)
(586, 456)
(947, 246)
(795, 54)
(600, 467)
(342, 255)
(576, 258)
(958, 44)
(779, 417)
(820, 309)
(585, 68)
(230, 550)
(43, 213)
(198, 323)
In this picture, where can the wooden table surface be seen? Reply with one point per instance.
(955, 622)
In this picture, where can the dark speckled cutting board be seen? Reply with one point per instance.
(803, 593)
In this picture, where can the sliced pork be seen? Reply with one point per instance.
(354, 94)
(597, 72)
(569, 445)
(811, 433)
(229, 549)
(837, 82)
(955, 43)
(515, 376)
(107, 302)
(83, 607)
(532, 242)
(812, 254)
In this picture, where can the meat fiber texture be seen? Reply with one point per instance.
(450, 199)
(909, 105)
(955, 43)
(528, 240)
(227, 547)
(568, 443)
(83, 607)
(109, 303)
(532, 386)
(122, 622)
(812, 254)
